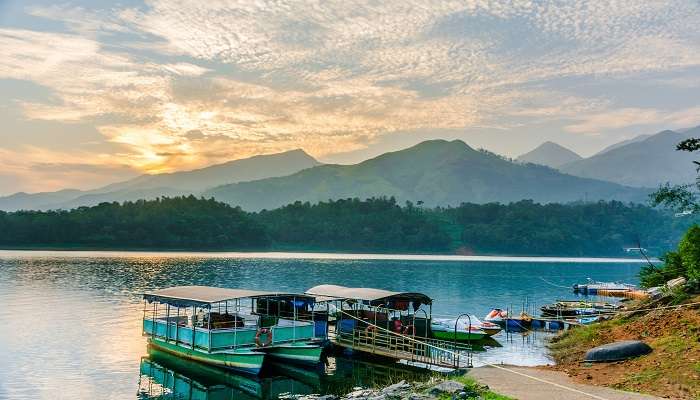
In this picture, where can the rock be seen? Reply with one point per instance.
(617, 351)
(360, 394)
(418, 396)
(396, 387)
(450, 387)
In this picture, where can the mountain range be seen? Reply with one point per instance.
(167, 184)
(435, 172)
(647, 162)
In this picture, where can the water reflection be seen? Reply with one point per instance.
(73, 324)
(164, 376)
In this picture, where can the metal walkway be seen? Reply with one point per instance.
(417, 350)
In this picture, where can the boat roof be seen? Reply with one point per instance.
(201, 295)
(336, 292)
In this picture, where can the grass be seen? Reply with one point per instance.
(673, 368)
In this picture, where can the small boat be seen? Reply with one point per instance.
(592, 287)
(496, 316)
(459, 330)
(573, 308)
(211, 325)
(489, 328)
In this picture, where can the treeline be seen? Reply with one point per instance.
(376, 225)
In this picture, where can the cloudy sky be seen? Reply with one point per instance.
(93, 92)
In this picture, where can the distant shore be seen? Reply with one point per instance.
(48, 252)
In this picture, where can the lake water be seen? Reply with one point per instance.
(71, 320)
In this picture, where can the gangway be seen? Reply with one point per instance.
(441, 353)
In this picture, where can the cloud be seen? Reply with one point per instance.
(181, 84)
(634, 116)
(37, 169)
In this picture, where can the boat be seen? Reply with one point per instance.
(496, 316)
(489, 328)
(390, 324)
(212, 325)
(453, 329)
(574, 308)
(609, 288)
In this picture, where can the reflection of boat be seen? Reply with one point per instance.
(184, 379)
(460, 330)
(211, 325)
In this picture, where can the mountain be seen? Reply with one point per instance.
(436, 172)
(648, 162)
(170, 184)
(549, 154)
(36, 201)
(635, 139)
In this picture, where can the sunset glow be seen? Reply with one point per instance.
(93, 93)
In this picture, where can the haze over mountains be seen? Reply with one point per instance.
(647, 162)
(169, 184)
(436, 172)
(549, 154)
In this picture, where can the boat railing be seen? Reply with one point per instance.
(217, 339)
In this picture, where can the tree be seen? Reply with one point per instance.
(683, 198)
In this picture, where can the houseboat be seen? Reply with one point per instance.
(231, 328)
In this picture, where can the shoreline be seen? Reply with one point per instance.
(280, 255)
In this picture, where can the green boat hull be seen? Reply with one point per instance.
(243, 360)
(461, 336)
(301, 352)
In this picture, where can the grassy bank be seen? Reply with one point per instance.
(671, 370)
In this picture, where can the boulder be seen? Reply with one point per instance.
(617, 351)
(450, 387)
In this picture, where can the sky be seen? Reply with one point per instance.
(93, 92)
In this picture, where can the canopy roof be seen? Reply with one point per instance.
(200, 295)
(335, 292)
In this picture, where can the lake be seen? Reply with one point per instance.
(72, 320)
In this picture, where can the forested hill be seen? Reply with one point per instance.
(352, 225)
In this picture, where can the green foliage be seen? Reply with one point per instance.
(376, 225)
(180, 222)
(689, 250)
(684, 262)
(351, 224)
(583, 229)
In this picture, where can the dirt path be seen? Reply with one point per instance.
(523, 388)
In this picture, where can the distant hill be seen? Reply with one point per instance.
(436, 172)
(648, 162)
(36, 201)
(170, 184)
(623, 143)
(549, 154)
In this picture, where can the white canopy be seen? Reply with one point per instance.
(183, 295)
(336, 292)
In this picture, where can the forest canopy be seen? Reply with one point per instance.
(372, 225)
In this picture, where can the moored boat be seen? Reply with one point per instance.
(496, 316)
(460, 330)
(213, 326)
(574, 308)
(592, 287)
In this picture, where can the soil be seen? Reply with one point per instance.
(672, 370)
